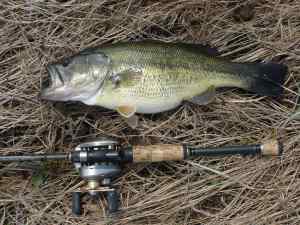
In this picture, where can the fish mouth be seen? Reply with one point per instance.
(52, 86)
(55, 75)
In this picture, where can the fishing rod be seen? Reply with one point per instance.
(99, 162)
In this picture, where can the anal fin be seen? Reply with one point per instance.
(204, 98)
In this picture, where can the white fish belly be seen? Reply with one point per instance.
(160, 105)
(142, 105)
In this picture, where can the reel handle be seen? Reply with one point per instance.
(76, 203)
(112, 198)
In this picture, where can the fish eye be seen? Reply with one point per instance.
(66, 62)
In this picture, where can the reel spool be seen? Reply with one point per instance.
(98, 175)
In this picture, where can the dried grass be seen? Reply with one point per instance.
(231, 190)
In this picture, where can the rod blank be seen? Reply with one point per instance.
(57, 156)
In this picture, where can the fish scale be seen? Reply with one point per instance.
(156, 82)
(159, 77)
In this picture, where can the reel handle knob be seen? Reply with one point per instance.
(76, 203)
(112, 198)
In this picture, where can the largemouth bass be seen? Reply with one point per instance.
(152, 77)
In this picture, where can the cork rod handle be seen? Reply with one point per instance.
(272, 148)
(157, 153)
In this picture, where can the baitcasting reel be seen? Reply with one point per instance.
(99, 161)
(97, 174)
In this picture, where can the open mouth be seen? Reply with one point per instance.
(52, 83)
(55, 78)
(47, 82)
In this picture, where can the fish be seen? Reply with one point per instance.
(150, 77)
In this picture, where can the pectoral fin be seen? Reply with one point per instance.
(204, 98)
(126, 111)
(127, 77)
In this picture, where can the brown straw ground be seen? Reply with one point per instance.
(231, 190)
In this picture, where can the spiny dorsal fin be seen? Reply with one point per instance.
(201, 48)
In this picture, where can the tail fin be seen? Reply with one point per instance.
(268, 78)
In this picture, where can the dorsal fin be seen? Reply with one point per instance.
(197, 48)
(200, 48)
